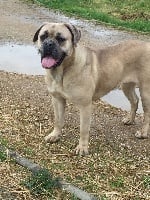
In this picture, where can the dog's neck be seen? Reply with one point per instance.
(69, 65)
(56, 73)
(69, 61)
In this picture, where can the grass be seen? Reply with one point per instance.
(117, 182)
(41, 183)
(133, 15)
(146, 181)
(3, 156)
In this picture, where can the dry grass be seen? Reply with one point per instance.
(117, 167)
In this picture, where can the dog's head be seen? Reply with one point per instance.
(56, 42)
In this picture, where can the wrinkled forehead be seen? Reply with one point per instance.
(54, 29)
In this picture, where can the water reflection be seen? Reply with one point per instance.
(23, 59)
(118, 99)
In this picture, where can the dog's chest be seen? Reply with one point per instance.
(69, 87)
(61, 88)
(55, 87)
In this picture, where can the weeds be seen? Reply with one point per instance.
(104, 197)
(118, 182)
(28, 151)
(146, 181)
(3, 142)
(41, 182)
(3, 156)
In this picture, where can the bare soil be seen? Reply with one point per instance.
(26, 116)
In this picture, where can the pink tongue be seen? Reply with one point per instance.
(48, 62)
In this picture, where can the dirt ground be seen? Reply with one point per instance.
(26, 116)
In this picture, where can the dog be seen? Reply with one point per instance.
(80, 75)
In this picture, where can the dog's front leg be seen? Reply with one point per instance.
(85, 121)
(59, 110)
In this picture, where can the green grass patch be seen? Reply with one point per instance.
(132, 15)
(146, 181)
(41, 182)
(3, 156)
(117, 182)
(104, 197)
(3, 142)
(28, 151)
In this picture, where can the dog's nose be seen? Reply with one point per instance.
(48, 46)
(48, 43)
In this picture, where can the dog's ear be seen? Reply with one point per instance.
(76, 33)
(35, 38)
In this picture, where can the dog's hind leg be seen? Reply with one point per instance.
(145, 98)
(129, 91)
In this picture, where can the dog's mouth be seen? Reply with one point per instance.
(49, 62)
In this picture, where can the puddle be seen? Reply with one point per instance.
(118, 99)
(24, 59)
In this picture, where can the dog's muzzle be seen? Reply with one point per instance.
(51, 54)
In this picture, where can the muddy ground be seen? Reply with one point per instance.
(26, 116)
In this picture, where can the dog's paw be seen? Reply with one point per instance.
(128, 121)
(141, 135)
(81, 150)
(52, 138)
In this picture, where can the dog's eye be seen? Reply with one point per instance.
(44, 36)
(60, 39)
